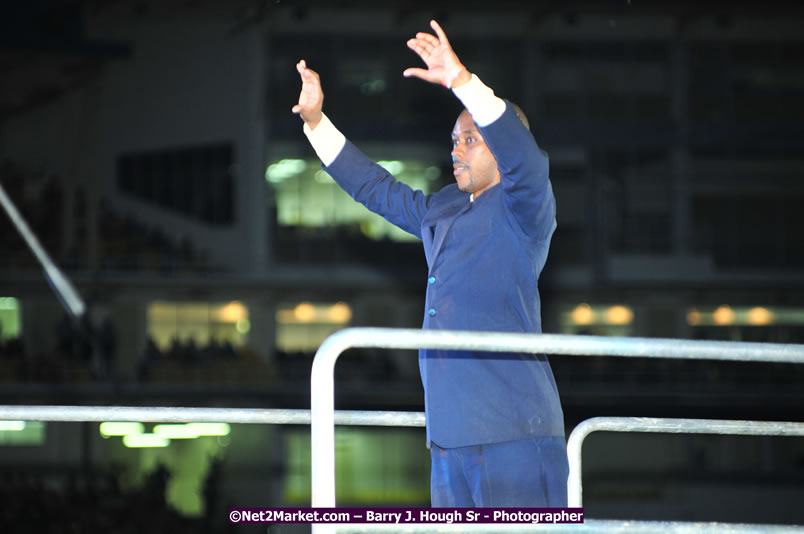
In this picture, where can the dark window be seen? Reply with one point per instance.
(195, 182)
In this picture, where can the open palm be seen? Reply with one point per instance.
(311, 97)
(436, 52)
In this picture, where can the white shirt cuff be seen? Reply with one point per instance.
(480, 101)
(326, 139)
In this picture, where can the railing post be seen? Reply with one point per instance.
(661, 425)
(322, 421)
(574, 457)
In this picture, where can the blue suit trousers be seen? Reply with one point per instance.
(529, 473)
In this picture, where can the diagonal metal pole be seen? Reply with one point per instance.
(61, 285)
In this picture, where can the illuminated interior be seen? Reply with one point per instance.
(388, 466)
(22, 433)
(202, 322)
(307, 196)
(598, 319)
(725, 315)
(10, 318)
(303, 326)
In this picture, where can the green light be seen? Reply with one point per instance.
(243, 326)
(12, 426)
(284, 169)
(192, 430)
(118, 428)
(175, 431)
(138, 441)
(8, 303)
(394, 167)
(431, 173)
(210, 429)
(321, 177)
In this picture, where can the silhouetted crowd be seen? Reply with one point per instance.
(187, 353)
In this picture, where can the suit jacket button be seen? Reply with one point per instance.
(431, 280)
(432, 312)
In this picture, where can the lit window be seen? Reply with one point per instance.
(307, 196)
(201, 322)
(10, 318)
(373, 466)
(18, 433)
(598, 319)
(725, 315)
(303, 326)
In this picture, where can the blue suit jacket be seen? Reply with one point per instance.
(484, 260)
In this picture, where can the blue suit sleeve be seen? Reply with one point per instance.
(378, 190)
(524, 175)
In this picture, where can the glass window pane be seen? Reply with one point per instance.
(307, 196)
(303, 326)
(10, 318)
(198, 322)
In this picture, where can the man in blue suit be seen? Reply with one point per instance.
(495, 428)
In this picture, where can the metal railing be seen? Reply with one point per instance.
(170, 414)
(322, 398)
(159, 414)
(164, 414)
(322, 382)
(322, 417)
(670, 426)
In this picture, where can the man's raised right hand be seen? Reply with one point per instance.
(311, 98)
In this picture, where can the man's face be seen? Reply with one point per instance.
(473, 164)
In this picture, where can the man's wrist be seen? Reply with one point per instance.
(313, 121)
(480, 100)
(327, 140)
(452, 75)
(463, 77)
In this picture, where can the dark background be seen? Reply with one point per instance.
(134, 136)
